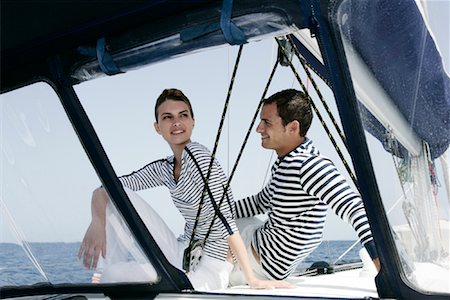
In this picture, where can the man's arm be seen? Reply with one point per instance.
(253, 205)
(94, 241)
(330, 186)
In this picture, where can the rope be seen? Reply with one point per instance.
(325, 127)
(216, 209)
(267, 169)
(216, 144)
(310, 66)
(313, 82)
(244, 143)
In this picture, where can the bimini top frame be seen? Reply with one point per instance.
(65, 43)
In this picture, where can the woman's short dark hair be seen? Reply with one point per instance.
(175, 95)
(293, 105)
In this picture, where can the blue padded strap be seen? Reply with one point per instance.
(105, 59)
(231, 32)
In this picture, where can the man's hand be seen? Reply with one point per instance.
(270, 284)
(377, 264)
(94, 243)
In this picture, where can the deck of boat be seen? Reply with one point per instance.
(355, 283)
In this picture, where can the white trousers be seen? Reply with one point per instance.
(247, 228)
(125, 261)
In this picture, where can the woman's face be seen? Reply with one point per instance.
(175, 123)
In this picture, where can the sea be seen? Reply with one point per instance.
(58, 262)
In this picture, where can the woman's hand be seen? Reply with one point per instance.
(94, 243)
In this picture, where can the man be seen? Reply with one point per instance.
(302, 187)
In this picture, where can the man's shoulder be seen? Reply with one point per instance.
(299, 156)
(295, 161)
(301, 159)
(302, 153)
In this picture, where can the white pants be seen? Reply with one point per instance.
(247, 228)
(126, 263)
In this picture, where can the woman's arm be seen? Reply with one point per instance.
(94, 241)
(237, 246)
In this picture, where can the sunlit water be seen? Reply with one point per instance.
(61, 265)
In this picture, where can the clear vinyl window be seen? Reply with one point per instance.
(46, 186)
(399, 78)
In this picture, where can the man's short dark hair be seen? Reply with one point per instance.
(172, 94)
(293, 105)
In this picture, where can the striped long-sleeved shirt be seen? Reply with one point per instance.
(187, 192)
(302, 187)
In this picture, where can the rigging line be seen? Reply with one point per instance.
(214, 204)
(393, 145)
(410, 208)
(313, 82)
(268, 168)
(418, 75)
(272, 152)
(294, 80)
(387, 213)
(229, 117)
(244, 143)
(216, 143)
(311, 67)
(434, 183)
(325, 127)
(224, 112)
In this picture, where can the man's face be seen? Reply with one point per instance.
(273, 134)
(175, 122)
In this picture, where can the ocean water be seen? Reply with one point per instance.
(59, 262)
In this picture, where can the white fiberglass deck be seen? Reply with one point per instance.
(356, 283)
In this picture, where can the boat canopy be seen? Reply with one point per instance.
(409, 67)
(65, 43)
(419, 75)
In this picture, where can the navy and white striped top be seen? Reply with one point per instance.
(303, 185)
(187, 192)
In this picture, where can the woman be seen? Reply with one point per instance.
(184, 174)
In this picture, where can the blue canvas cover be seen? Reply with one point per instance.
(393, 40)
